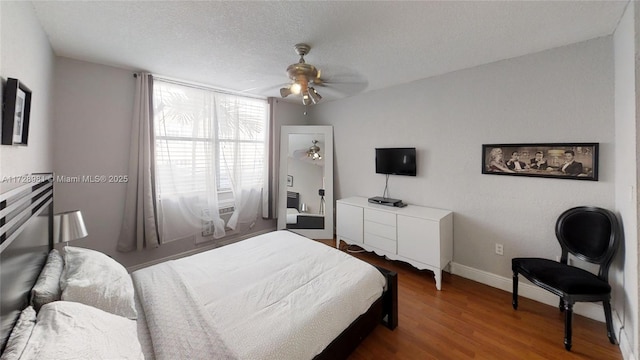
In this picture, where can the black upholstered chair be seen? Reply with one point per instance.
(590, 234)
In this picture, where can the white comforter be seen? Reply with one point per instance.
(278, 295)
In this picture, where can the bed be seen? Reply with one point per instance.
(275, 296)
(298, 220)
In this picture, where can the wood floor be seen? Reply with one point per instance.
(469, 320)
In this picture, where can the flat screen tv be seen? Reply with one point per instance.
(396, 161)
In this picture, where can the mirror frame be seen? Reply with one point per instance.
(327, 131)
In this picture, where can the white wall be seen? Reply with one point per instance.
(624, 275)
(561, 95)
(94, 108)
(25, 54)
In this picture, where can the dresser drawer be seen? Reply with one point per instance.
(385, 231)
(380, 242)
(381, 217)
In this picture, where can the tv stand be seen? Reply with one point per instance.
(420, 236)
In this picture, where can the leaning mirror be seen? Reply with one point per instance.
(305, 199)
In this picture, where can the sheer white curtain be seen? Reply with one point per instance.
(139, 223)
(209, 154)
(243, 132)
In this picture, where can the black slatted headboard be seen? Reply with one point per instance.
(293, 200)
(26, 237)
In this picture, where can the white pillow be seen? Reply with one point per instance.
(92, 278)
(68, 330)
(47, 287)
(20, 335)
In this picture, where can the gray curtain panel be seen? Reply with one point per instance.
(139, 225)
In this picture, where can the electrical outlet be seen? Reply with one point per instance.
(499, 249)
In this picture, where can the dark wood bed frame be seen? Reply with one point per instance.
(26, 237)
(384, 310)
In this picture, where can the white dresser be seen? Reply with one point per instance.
(420, 236)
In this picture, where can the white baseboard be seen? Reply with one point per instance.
(525, 289)
(626, 346)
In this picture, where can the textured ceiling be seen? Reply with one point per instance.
(359, 46)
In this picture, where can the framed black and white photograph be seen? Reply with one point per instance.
(289, 180)
(577, 161)
(17, 110)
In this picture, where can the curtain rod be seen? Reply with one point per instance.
(202, 86)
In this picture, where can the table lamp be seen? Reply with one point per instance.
(68, 226)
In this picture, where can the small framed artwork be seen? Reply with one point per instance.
(576, 161)
(289, 180)
(15, 117)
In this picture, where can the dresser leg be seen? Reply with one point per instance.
(438, 276)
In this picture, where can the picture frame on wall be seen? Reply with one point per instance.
(575, 161)
(16, 113)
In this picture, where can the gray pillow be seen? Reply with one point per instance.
(47, 287)
(20, 335)
(92, 278)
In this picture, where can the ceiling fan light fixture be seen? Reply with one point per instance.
(313, 94)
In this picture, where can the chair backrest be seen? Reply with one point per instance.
(590, 234)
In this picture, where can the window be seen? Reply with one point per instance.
(207, 141)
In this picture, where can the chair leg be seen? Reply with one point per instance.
(514, 302)
(568, 315)
(607, 315)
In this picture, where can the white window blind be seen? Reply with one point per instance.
(200, 132)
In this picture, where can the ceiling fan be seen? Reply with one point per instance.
(303, 76)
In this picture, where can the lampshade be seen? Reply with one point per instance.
(68, 226)
(284, 92)
(306, 100)
(313, 94)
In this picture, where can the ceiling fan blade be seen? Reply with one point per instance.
(341, 89)
(341, 81)
(270, 90)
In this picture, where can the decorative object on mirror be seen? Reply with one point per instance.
(16, 114)
(68, 226)
(289, 180)
(577, 161)
(321, 208)
(304, 208)
(314, 151)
